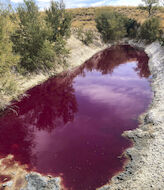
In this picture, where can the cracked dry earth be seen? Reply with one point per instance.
(145, 169)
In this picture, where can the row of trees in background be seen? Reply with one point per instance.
(114, 26)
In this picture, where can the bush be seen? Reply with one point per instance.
(8, 60)
(111, 25)
(59, 20)
(88, 37)
(132, 27)
(85, 36)
(79, 33)
(150, 30)
(114, 26)
(30, 38)
(61, 52)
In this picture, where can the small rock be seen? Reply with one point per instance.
(8, 184)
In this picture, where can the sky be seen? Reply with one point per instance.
(85, 3)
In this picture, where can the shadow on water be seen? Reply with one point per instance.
(71, 125)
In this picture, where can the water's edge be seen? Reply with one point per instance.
(143, 170)
(79, 53)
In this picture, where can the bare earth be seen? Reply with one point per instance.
(145, 169)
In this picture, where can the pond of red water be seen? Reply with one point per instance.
(71, 125)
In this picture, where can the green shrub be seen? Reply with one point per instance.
(79, 33)
(59, 20)
(85, 36)
(150, 30)
(88, 37)
(8, 60)
(111, 25)
(61, 52)
(132, 27)
(30, 38)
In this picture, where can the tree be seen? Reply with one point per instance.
(85, 36)
(59, 20)
(31, 38)
(150, 30)
(114, 26)
(111, 26)
(8, 59)
(149, 4)
(132, 27)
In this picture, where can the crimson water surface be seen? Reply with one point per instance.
(71, 125)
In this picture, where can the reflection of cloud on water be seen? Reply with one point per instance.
(123, 89)
(112, 89)
(107, 95)
(125, 101)
(67, 116)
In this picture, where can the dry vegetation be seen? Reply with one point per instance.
(85, 17)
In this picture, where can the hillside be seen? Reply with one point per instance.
(84, 17)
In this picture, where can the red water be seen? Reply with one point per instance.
(71, 125)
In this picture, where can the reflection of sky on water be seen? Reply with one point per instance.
(71, 125)
(122, 87)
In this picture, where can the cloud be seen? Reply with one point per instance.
(17, 1)
(85, 3)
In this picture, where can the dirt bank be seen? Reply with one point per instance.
(12, 176)
(79, 53)
(145, 169)
(146, 166)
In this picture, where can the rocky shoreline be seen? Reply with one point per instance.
(145, 169)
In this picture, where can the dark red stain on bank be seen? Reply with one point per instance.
(71, 125)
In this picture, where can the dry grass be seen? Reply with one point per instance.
(85, 17)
